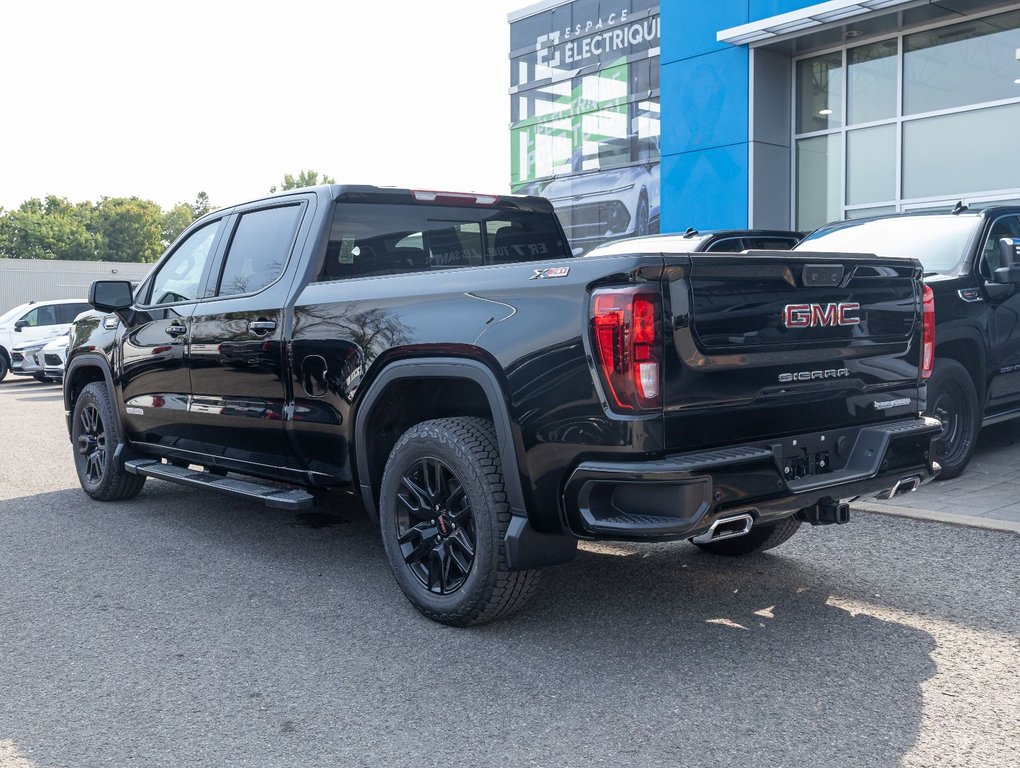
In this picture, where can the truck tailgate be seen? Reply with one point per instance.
(774, 342)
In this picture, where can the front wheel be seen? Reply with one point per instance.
(94, 437)
(443, 516)
(953, 400)
(4, 367)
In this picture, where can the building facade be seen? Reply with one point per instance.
(24, 280)
(788, 114)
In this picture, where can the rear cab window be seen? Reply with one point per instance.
(370, 239)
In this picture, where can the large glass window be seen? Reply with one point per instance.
(820, 93)
(962, 153)
(871, 165)
(259, 250)
(930, 119)
(967, 63)
(873, 77)
(180, 276)
(819, 162)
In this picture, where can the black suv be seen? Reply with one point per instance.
(976, 380)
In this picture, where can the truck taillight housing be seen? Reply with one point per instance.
(928, 346)
(626, 329)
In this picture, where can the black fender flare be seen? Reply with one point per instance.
(90, 360)
(526, 548)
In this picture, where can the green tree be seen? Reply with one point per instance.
(50, 229)
(201, 206)
(175, 221)
(303, 179)
(131, 229)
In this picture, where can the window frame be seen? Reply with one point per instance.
(899, 203)
(143, 295)
(214, 276)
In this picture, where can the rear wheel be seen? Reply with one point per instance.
(94, 436)
(641, 216)
(953, 400)
(760, 538)
(444, 516)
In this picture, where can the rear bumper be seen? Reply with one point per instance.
(681, 496)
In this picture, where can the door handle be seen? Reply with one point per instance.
(175, 330)
(261, 327)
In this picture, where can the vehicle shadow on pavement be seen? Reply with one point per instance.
(266, 625)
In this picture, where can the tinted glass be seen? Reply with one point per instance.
(871, 165)
(991, 259)
(259, 250)
(67, 312)
(962, 153)
(820, 93)
(729, 245)
(819, 164)
(872, 82)
(370, 239)
(180, 277)
(44, 315)
(938, 242)
(962, 64)
(771, 243)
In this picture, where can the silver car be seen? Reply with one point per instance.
(27, 359)
(54, 356)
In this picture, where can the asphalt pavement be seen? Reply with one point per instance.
(187, 629)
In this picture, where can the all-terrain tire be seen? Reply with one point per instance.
(760, 538)
(94, 437)
(953, 400)
(443, 516)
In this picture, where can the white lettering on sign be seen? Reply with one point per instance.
(599, 37)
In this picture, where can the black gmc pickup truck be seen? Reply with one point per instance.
(975, 278)
(493, 399)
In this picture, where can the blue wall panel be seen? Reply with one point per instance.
(705, 101)
(763, 9)
(705, 189)
(689, 26)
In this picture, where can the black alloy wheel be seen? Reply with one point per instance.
(94, 437)
(952, 399)
(444, 517)
(435, 526)
(91, 443)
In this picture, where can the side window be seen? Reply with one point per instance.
(67, 312)
(44, 315)
(727, 245)
(180, 277)
(259, 250)
(368, 239)
(1004, 226)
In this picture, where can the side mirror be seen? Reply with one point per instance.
(111, 295)
(1009, 257)
(19, 325)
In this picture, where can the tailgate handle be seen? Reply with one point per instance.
(822, 274)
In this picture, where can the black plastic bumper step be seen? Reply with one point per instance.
(271, 496)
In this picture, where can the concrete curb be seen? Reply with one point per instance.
(987, 523)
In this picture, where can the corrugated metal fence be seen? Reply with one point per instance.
(24, 280)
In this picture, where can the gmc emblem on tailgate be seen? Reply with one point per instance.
(810, 315)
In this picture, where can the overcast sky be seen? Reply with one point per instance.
(162, 99)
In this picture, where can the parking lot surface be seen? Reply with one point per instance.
(182, 628)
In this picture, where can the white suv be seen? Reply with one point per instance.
(36, 320)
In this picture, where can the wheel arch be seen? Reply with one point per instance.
(82, 370)
(407, 392)
(969, 350)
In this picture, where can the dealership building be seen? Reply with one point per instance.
(634, 116)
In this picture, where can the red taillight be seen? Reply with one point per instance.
(626, 333)
(928, 347)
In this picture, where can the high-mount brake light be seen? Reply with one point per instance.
(928, 347)
(626, 326)
(454, 198)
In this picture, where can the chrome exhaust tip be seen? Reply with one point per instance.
(903, 485)
(726, 528)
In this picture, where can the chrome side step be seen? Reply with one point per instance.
(270, 495)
